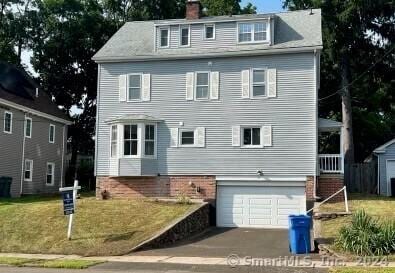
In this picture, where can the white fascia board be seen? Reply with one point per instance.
(261, 178)
(240, 53)
(34, 112)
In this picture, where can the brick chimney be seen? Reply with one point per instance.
(193, 9)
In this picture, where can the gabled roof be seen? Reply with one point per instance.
(328, 124)
(293, 31)
(382, 148)
(18, 89)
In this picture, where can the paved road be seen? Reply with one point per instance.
(163, 268)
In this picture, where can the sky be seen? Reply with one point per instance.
(265, 5)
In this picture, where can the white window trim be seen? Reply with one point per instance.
(196, 85)
(242, 145)
(252, 83)
(180, 35)
(54, 133)
(31, 127)
(128, 86)
(31, 170)
(111, 140)
(204, 32)
(53, 174)
(160, 37)
(155, 141)
(180, 137)
(12, 115)
(252, 32)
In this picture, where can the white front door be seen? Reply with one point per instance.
(258, 206)
(390, 174)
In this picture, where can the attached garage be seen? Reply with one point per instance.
(258, 206)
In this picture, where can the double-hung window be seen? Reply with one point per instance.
(51, 133)
(114, 140)
(28, 170)
(149, 141)
(7, 122)
(134, 87)
(209, 32)
(184, 36)
(202, 85)
(187, 138)
(164, 37)
(258, 82)
(130, 139)
(251, 136)
(252, 32)
(28, 127)
(50, 173)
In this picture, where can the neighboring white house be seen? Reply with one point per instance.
(386, 168)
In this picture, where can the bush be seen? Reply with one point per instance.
(366, 236)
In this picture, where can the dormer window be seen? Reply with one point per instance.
(184, 36)
(164, 37)
(209, 32)
(252, 32)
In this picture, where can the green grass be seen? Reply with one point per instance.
(110, 227)
(362, 270)
(68, 264)
(381, 208)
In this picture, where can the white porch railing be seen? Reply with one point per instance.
(331, 163)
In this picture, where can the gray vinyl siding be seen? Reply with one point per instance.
(388, 155)
(37, 148)
(291, 114)
(225, 36)
(11, 149)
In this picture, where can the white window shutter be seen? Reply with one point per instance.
(245, 83)
(174, 137)
(122, 87)
(235, 135)
(146, 94)
(272, 82)
(267, 135)
(200, 136)
(190, 81)
(214, 85)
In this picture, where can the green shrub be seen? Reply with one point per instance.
(366, 236)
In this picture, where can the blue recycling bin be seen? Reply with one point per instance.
(299, 234)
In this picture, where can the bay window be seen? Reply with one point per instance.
(130, 140)
(149, 140)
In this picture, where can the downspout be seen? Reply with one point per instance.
(62, 166)
(23, 153)
(316, 122)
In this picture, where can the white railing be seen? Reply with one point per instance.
(331, 163)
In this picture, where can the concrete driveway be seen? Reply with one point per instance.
(221, 242)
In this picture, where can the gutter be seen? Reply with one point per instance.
(23, 154)
(252, 52)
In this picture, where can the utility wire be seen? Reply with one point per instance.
(360, 76)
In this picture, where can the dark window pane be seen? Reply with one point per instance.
(202, 79)
(134, 147)
(164, 34)
(133, 132)
(256, 136)
(247, 136)
(134, 93)
(259, 90)
(202, 92)
(150, 132)
(126, 134)
(27, 174)
(184, 36)
(127, 147)
(260, 36)
(209, 32)
(49, 179)
(187, 138)
(259, 76)
(149, 147)
(134, 80)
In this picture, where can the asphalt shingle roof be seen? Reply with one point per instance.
(17, 87)
(135, 40)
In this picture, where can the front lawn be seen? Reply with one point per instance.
(110, 227)
(362, 270)
(381, 208)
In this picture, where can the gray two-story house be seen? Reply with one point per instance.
(33, 134)
(219, 108)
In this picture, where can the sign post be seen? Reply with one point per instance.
(69, 199)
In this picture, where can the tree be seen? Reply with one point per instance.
(227, 7)
(357, 37)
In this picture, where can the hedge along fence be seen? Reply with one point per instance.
(366, 236)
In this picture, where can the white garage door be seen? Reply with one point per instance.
(261, 207)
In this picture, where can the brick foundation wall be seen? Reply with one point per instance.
(310, 188)
(157, 186)
(328, 184)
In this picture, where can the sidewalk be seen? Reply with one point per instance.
(232, 260)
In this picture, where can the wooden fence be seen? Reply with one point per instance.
(361, 177)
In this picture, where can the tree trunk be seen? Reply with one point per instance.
(348, 141)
